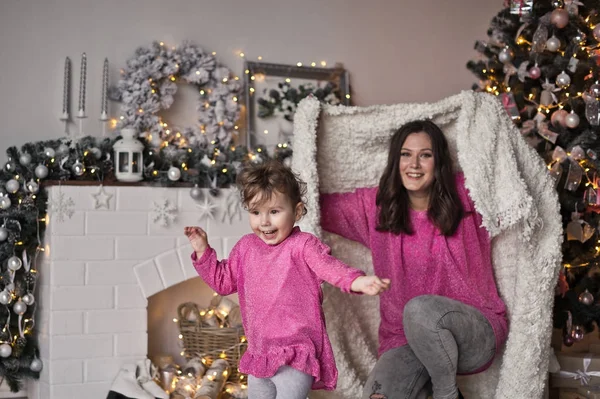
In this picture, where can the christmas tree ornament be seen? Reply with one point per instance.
(5, 350)
(129, 156)
(572, 8)
(559, 18)
(14, 263)
(586, 298)
(36, 365)
(25, 159)
(3, 234)
(62, 150)
(61, 207)
(12, 186)
(10, 165)
(49, 152)
(521, 8)
(163, 212)
(96, 152)
(577, 332)
(19, 307)
(5, 297)
(572, 120)
(553, 44)
(207, 209)
(596, 32)
(563, 80)
(174, 173)
(558, 3)
(196, 193)
(568, 341)
(101, 198)
(41, 171)
(4, 202)
(558, 118)
(595, 90)
(506, 55)
(32, 187)
(535, 72)
(28, 299)
(78, 169)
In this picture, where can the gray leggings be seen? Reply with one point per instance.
(287, 383)
(445, 337)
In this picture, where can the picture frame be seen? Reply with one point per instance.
(272, 92)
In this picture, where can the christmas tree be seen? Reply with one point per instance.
(542, 58)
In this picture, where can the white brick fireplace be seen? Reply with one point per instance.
(99, 268)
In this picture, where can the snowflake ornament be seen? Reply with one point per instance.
(61, 206)
(233, 206)
(207, 208)
(163, 212)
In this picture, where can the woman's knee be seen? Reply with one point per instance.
(422, 313)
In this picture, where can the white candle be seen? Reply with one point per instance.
(82, 80)
(66, 89)
(104, 109)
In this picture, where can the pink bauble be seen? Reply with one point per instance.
(535, 72)
(560, 18)
(558, 117)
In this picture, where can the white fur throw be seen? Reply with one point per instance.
(339, 148)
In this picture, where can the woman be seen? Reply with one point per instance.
(442, 315)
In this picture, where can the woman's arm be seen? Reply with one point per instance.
(345, 214)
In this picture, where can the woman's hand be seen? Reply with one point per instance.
(198, 239)
(370, 285)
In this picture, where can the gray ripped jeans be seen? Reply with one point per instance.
(445, 337)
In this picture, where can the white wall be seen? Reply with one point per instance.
(395, 50)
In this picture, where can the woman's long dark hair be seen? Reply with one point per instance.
(445, 209)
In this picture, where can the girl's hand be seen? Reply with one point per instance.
(370, 285)
(198, 239)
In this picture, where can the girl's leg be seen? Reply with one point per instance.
(261, 388)
(447, 336)
(291, 383)
(398, 374)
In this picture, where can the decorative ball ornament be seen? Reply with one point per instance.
(586, 298)
(78, 169)
(10, 165)
(196, 193)
(567, 340)
(25, 159)
(4, 202)
(5, 350)
(49, 152)
(553, 44)
(41, 171)
(563, 80)
(32, 187)
(5, 297)
(12, 186)
(577, 332)
(558, 118)
(19, 307)
(14, 263)
(3, 234)
(558, 3)
(595, 90)
(506, 55)
(28, 299)
(62, 149)
(174, 173)
(36, 365)
(572, 121)
(96, 152)
(535, 72)
(559, 18)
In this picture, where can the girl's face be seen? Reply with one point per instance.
(273, 220)
(417, 165)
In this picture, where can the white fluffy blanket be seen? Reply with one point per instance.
(341, 148)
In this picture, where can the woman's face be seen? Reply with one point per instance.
(417, 165)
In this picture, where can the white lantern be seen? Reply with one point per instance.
(129, 162)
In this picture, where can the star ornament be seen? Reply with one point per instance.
(102, 199)
(207, 209)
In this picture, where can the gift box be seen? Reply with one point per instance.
(577, 370)
(509, 104)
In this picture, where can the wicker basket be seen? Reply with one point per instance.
(210, 342)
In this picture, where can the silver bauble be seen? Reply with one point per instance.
(563, 80)
(28, 299)
(49, 152)
(577, 332)
(25, 159)
(5, 297)
(10, 166)
(572, 120)
(96, 152)
(506, 55)
(32, 187)
(14, 263)
(3, 234)
(196, 193)
(36, 365)
(595, 90)
(4, 202)
(5, 350)
(41, 171)
(78, 169)
(553, 44)
(558, 3)
(62, 149)
(174, 173)
(586, 298)
(12, 186)
(19, 307)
